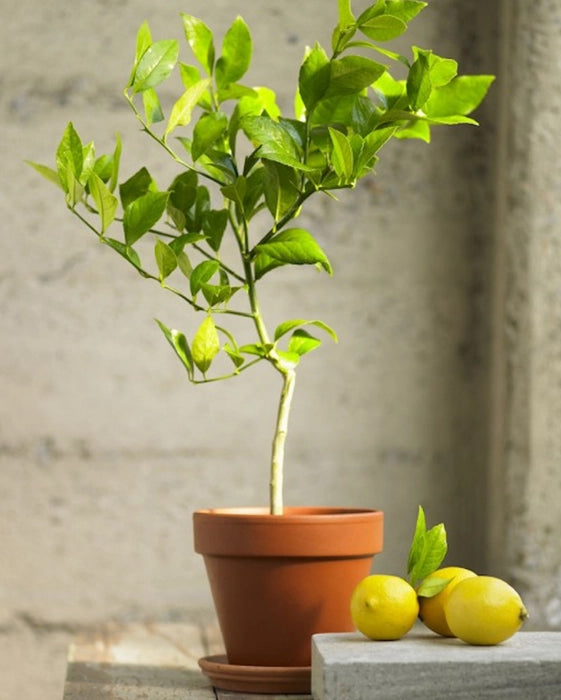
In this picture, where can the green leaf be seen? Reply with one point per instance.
(346, 16)
(207, 131)
(143, 41)
(302, 342)
(138, 184)
(166, 259)
(125, 251)
(460, 96)
(418, 539)
(383, 27)
(419, 83)
(46, 172)
(152, 106)
(314, 76)
(427, 551)
(205, 345)
(405, 10)
(156, 64)
(182, 110)
(201, 41)
(142, 213)
(236, 54)
(202, 273)
(342, 157)
(105, 202)
(295, 246)
(432, 587)
(69, 157)
(288, 326)
(214, 226)
(274, 141)
(180, 345)
(352, 74)
(281, 188)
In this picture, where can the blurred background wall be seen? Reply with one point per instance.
(444, 390)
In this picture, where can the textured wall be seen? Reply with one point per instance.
(526, 470)
(105, 450)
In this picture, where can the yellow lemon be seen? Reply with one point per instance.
(431, 610)
(384, 607)
(484, 610)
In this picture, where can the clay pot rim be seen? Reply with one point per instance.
(291, 514)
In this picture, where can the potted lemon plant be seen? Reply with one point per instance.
(219, 230)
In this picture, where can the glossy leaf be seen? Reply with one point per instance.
(69, 156)
(419, 83)
(156, 64)
(302, 342)
(182, 110)
(207, 131)
(201, 41)
(166, 259)
(152, 106)
(236, 54)
(281, 188)
(352, 74)
(314, 77)
(459, 97)
(138, 184)
(105, 202)
(143, 213)
(383, 27)
(205, 345)
(295, 246)
(179, 343)
(342, 155)
(288, 326)
(202, 273)
(405, 10)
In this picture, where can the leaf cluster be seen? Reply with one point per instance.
(237, 155)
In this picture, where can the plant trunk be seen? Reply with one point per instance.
(281, 429)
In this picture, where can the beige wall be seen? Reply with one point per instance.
(105, 450)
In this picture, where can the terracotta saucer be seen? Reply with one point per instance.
(255, 679)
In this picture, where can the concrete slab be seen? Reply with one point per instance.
(425, 666)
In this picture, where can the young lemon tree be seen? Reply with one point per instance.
(347, 106)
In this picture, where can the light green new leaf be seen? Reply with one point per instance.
(419, 83)
(383, 27)
(288, 326)
(418, 539)
(352, 74)
(201, 41)
(342, 157)
(182, 110)
(143, 213)
(404, 10)
(302, 342)
(236, 54)
(69, 157)
(209, 128)
(205, 345)
(346, 17)
(105, 202)
(48, 173)
(314, 76)
(432, 587)
(152, 107)
(156, 64)
(295, 246)
(166, 259)
(274, 141)
(458, 97)
(202, 273)
(179, 343)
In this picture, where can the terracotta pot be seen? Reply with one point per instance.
(276, 580)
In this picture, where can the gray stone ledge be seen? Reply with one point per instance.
(425, 666)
